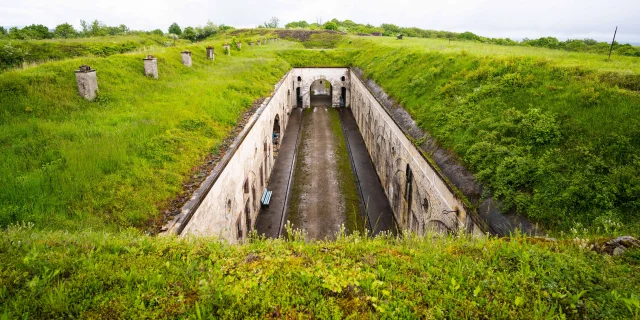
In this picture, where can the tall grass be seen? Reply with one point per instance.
(563, 58)
(28, 53)
(126, 275)
(69, 163)
(553, 142)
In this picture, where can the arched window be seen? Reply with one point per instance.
(425, 205)
(343, 78)
(408, 190)
(299, 78)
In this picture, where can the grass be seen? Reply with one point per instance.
(553, 142)
(592, 61)
(55, 274)
(69, 163)
(29, 53)
(557, 142)
(348, 184)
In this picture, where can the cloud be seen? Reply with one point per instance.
(499, 18)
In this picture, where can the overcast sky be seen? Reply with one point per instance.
(499, 18)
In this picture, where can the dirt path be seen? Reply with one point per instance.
(317, 204)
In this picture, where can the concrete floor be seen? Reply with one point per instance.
(319, 207)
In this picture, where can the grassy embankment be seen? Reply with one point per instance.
(29, 53)
(126, 275)
(69, 163)
(554, 140)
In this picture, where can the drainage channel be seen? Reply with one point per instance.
(270, 220)
(375, 203)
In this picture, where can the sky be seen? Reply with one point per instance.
(516, 19)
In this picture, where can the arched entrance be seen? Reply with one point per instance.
(321, 92)
(276, 134)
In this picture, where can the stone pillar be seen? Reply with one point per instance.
(251, 44)
(227, 49)
(186, 58)
(211, 53)
(87, 82)
(239, 45)
(151, 66)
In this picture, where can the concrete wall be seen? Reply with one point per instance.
(427, 201)
(227, 204)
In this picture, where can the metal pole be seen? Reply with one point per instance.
(614, 40)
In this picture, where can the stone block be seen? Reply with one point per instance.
(186, 58)
(151, 66)
(87, 82)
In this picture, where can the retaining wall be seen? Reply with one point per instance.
(419, 195)
(227, 203)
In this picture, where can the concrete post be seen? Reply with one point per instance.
(251, 44)
(211, 53)
(239, 45)
(151, 66)
(186, 58)
(227, 49)
(87, 82)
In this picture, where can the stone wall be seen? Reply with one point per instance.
(335, 76)
(227, 203)
(419, 196)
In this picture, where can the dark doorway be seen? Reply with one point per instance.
(298, 98)
(343, 97)
(276, 133)
(321, 93)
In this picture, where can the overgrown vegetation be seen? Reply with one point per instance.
(126, 275)
(556, 142)
(69, 163)
(348, 184)
(386, 29)
(553, 143)
(17, 53)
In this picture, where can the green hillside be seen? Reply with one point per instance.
(557, 142)
(554, 134)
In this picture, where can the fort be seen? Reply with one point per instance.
(399, 189)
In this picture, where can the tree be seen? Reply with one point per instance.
(330, 26)
(157, 32)
(34, 31)
(189, 33)
(65, 30)
(297, 24)
(273, 23)
(175, 29)
(3, 32)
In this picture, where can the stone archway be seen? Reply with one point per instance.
(333, 76)
(321, 93)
